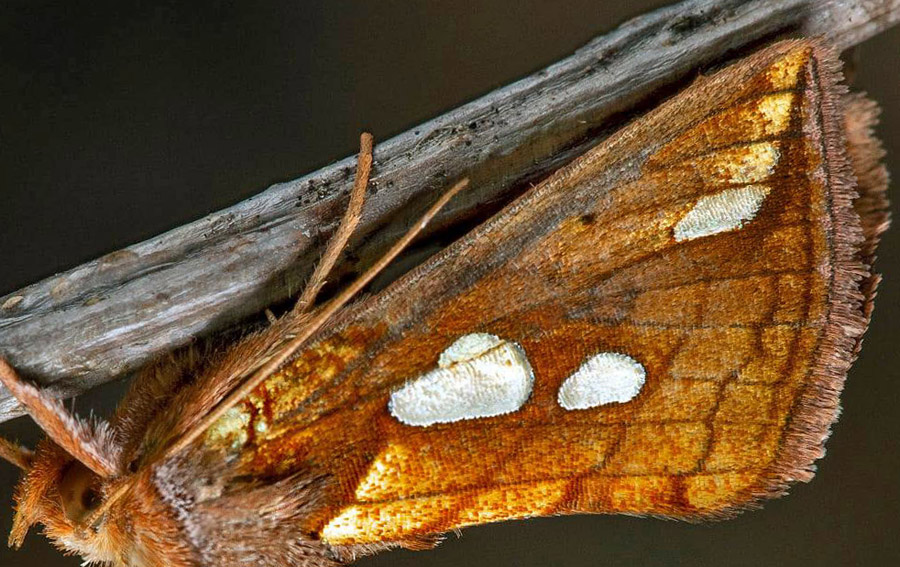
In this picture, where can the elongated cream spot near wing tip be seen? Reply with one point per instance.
(748, 164)
(776, 108)
(479, 375)
(605, 378)
(722, 212)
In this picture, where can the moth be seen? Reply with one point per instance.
(661, 327)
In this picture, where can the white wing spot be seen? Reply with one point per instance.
(722, 212)
(605, 378)
(479, 375)
(468, 347)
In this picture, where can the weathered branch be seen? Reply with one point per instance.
(107, 317)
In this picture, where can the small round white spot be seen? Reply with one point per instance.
(479, 375)
(605, 378)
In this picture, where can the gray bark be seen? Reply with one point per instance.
(107, 317)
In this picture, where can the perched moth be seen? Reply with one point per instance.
(660, 328)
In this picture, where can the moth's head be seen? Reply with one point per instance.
(77, 486)
(66, 498)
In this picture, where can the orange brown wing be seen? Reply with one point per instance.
(713, 244)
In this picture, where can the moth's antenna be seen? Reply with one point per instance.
(345, 229)
(15, 454)
(74, 436)
(316, 323)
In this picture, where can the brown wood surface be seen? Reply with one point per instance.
(146, 299)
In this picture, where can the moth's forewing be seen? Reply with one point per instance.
(714, 242)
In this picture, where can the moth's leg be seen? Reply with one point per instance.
(15, 454)
(348, 224)
(92, 448)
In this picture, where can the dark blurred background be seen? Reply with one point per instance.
(119, 122)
